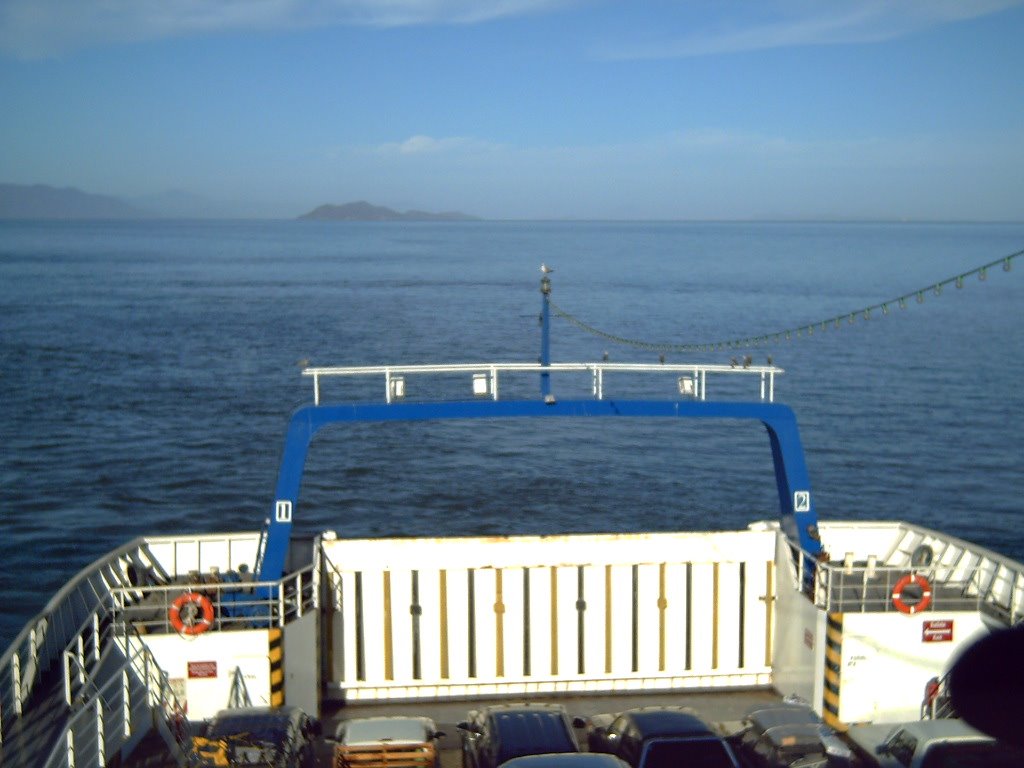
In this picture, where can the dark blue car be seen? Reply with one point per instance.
(495, 734)
(659, 737)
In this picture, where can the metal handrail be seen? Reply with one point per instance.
(44, 638)
(868, 586)
(136, 697)
(486, 375)
(236, 604)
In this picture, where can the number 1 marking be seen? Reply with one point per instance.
(283, 512)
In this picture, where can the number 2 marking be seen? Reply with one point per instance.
(802, 501)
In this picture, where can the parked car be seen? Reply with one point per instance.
(273, 737)
(788, 735)
(567, 760)
(659, 737)
(494, 735)
(387, 742)
(931, 744)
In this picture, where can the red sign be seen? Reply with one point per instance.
(937, 631)
(202, 669)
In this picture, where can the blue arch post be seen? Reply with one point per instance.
(796, 506)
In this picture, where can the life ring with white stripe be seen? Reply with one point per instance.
(191, 613)
(899, 600)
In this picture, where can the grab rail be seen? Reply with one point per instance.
(690, 380)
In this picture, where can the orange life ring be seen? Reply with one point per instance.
(198, 613)
(897, 593)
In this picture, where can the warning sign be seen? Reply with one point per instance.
(937, 631)
(202, 669)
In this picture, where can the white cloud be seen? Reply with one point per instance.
(33, 28)
(427, 145)
(837, 22)
(710, 173)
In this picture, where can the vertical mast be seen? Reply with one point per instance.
(545, 332)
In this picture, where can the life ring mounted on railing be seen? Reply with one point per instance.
(191, 613)
(900, 596)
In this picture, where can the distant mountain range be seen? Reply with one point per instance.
(364, 211)
(38, 201)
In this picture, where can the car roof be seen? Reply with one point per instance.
(266, 722)
(531, 730)
(770, 717)
(263, 714)
(941, 729)
(566, 760)
(663, 722)
(522, 707)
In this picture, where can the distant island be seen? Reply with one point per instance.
(39, 201)
(364, 211)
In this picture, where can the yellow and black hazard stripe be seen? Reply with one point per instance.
(833, 668)
(275, 641)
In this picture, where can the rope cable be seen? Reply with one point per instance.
(798, 331)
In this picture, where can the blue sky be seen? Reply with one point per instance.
(648, 109)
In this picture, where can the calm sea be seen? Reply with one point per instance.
(147, 371)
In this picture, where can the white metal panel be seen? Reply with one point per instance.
(512, 595)
(648, 620)
(401, 626)
(728, 615)
(430, 624)
(349, 628)
(566, 588)
(755, 623)
(540, 623)
(373, 625)
(702, 638)
(675, 618)
(594, 621)
(485, 624)
(622, 619)
(457, 592)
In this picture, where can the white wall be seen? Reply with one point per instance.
(205, 696)
(886, 663)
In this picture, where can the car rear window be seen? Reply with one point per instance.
(531, 733)
(706, 753)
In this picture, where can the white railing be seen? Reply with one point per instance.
(686, 380)
(43, 641)
(117, 713)
(958, 575)
(532, 615)
(236, 604)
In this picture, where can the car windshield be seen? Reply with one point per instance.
(693, 753)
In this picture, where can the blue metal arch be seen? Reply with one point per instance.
(795, 503)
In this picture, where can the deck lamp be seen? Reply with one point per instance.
(397, 387)
(481, 384)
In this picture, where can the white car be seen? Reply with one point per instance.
(386, 742)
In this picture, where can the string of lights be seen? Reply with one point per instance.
(820, 326)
